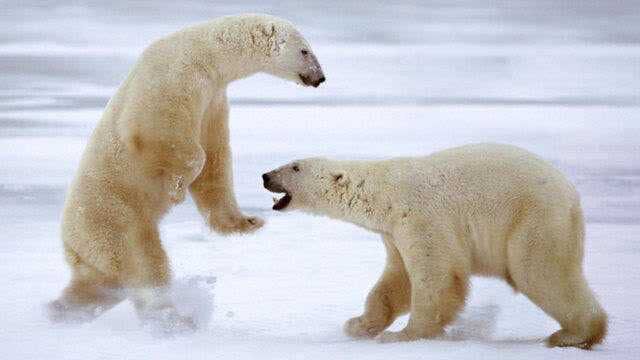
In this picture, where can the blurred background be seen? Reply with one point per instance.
(74, 53)
(539, 67)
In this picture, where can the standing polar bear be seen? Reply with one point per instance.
(485, 209)
(163, 132)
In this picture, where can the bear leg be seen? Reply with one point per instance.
(212, 190)
(89, 294)
(569, 301)
(438, 286)
(388, 299)
(148, 280)
(545, 263)
(155, 309)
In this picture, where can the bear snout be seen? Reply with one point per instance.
(272, 184)
(310, 81)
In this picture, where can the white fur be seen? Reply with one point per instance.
(486, 209)
(164, 132)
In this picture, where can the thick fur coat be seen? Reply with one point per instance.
(486, 209)
(163, 133)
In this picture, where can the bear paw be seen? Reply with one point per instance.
(168, 321)
(360, 328)
(237, 224)
(396, 336)
(563, 338)
(59, 312)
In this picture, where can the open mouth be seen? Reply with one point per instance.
(274, 187)
(306, 79)
(282, 203)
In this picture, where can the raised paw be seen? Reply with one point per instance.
(237, 224)
(360, 328)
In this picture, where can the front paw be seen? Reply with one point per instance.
(237, 224)
(360, 328)
(396, 336)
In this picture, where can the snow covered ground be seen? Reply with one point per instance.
(559, 78)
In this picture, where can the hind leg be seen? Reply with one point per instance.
(89, 294)
(148, 278)
(389, 298)
(547, 269)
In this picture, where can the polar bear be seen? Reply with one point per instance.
(163, 132)
(482, 209)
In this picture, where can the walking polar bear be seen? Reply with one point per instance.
(484, 209)
(163, 132)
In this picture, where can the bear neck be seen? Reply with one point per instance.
(229, 51)
(364, 199)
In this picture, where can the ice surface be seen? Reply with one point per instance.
(559, 78)
(285, 291)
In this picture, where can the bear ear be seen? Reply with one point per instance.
(340, 178)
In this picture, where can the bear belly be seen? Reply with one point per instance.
(488, 251)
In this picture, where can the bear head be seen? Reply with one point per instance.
(306, 184)
(288, 54)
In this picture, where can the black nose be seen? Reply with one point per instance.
(265, 179)
(318, 82)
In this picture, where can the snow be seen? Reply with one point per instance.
(285, 291)
(562, 83)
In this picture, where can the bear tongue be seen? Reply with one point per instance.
(283, 202)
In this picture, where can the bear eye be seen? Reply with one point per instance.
(304, 52)
(296, 168)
